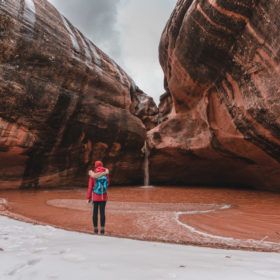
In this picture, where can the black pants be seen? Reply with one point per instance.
(101, 206)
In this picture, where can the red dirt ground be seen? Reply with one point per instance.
(215, 217)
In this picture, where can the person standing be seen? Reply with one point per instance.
(97, 194)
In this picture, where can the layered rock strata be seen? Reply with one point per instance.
(221, 65)
(63, 103)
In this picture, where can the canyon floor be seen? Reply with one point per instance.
(210, 217)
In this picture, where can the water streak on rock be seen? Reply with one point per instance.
(146, 165)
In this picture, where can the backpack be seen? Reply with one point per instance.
(101, 185)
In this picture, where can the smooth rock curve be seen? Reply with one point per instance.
(221, 65)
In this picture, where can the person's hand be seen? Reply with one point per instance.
(89, 200)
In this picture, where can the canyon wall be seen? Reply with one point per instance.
(63, 103)
(221, 120)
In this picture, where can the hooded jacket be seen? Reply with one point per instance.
(91, 182)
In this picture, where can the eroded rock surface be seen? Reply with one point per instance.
(221, 64)
(144, 107)
(63, 103)
(165, 107)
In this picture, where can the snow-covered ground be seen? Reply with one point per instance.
(42, 252)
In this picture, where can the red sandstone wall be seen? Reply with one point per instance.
(221, 65)
(63, 103)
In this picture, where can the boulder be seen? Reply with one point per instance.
(221, 64)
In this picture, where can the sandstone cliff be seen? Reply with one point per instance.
(63, 103)
(221, 65)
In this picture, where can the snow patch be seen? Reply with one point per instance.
(72, 35)
(29, 14)
(72, 256)
(96, 56)
(86, 50)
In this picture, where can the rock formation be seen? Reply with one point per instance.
(165, 107)
(221, 65)
(144, 107)
(63, 103)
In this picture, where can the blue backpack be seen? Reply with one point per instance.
(101, 185)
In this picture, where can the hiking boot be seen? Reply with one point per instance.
(102, 232)
(95, 231)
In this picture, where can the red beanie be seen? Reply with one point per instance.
(98, 163)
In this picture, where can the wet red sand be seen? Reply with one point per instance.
(213, 217)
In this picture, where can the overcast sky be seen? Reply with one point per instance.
(128, 31)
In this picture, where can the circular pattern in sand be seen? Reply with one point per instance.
(201, 216)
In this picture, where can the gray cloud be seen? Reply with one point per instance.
(127, 30)
(140, 25)
(96, 19)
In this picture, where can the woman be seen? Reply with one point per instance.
(97, 193)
